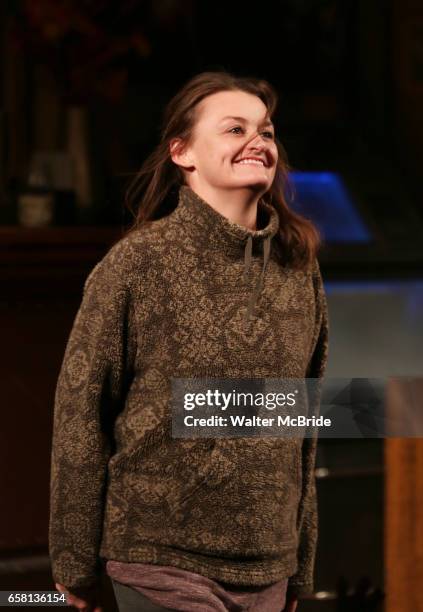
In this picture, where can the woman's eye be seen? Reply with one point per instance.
(268, 134)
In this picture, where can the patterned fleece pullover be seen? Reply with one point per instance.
(189, 295)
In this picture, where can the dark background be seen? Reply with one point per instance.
(349, 74)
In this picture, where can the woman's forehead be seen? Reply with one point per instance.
(227, 105)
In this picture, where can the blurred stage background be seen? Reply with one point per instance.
(83, 85)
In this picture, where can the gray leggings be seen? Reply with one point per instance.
(131, 600)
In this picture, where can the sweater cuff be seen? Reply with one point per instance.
(78, 587)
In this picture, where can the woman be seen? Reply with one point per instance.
(225, 285)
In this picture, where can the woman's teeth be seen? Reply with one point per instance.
(251, 161)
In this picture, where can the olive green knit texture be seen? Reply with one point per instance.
(186, 296)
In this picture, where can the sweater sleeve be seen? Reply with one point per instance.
(90, 390)
(302, 581)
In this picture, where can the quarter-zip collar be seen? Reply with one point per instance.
(214, 231)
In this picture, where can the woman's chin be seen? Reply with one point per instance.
(252, 183)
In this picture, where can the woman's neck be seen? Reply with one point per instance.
(237, 205)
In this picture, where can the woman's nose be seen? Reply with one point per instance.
(257, 146)
(257, 142)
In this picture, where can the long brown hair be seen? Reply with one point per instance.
(159, 177)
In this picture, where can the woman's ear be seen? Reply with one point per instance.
(180, 153)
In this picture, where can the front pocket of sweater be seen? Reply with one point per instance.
(222, 497)
(238, 503)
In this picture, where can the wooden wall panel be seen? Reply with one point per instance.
(404, 521)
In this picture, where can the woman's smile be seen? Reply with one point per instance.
(251, 162)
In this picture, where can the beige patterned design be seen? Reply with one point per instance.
(170, 300)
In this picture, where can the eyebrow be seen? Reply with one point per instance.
(243, 120)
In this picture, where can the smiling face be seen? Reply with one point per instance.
(231, 126)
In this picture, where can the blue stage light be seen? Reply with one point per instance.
(324, 199)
